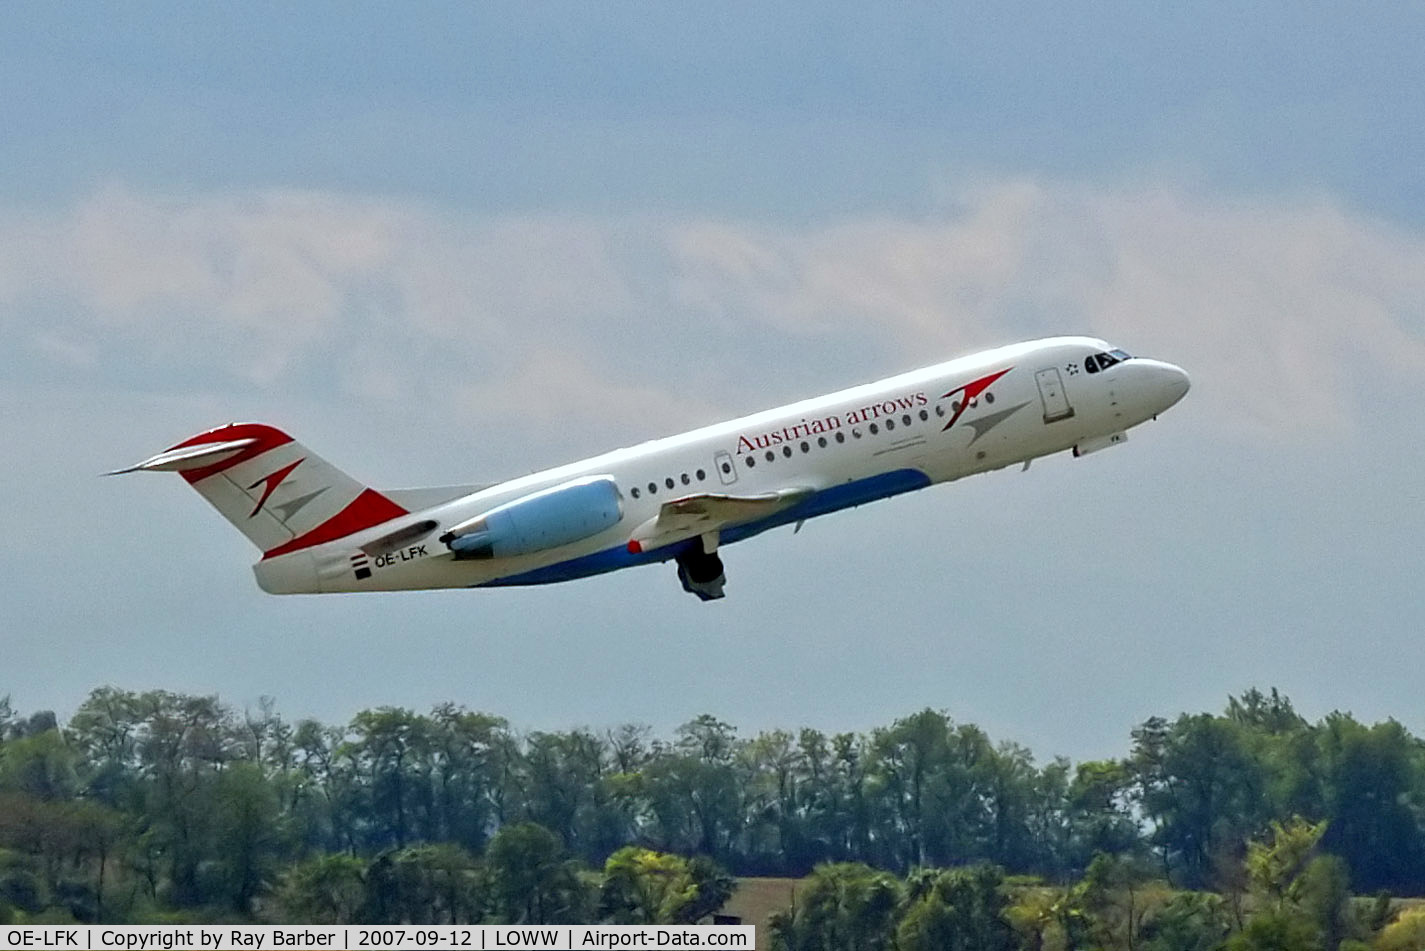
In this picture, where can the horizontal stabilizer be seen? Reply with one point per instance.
(188, 457)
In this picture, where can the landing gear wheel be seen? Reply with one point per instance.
(702, 574)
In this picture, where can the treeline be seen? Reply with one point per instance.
(1286, 896)
(148, 804)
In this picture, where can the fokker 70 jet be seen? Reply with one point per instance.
(681, 497)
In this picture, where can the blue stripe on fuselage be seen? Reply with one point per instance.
(839, 497)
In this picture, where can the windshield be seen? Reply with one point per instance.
(1105, 359)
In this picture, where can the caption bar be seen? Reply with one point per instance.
(375, 937)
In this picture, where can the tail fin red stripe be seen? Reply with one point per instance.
(370, 508)
(267, 438)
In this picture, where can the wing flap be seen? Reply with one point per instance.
(693, 515)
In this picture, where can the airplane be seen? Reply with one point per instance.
(679, 498)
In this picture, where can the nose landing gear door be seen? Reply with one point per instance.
(1051, 394)
(726, 470)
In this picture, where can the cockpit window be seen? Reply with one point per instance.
(1102, 361)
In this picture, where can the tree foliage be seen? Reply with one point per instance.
(151, 803)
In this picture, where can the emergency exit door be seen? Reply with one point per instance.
(726, 468)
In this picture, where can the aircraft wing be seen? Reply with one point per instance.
(692, 515)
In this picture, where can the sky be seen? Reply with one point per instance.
(445, 243)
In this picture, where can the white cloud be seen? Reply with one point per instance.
(1275, 306)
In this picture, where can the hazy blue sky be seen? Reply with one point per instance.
(454, 242)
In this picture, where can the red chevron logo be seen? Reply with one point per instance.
(970, 391)
(270, 483)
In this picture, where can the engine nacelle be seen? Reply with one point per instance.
(546, 519)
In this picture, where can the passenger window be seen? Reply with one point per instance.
(905, 420)
(939, 409)
(668, 482)
(989, 397)
(771, 455)
(787, 451)
(924, 416)
(821, 441)
(840, 437)
(653, 488)
(703, 475)
(686, 480)
(873, 429)
(856, 433)
(633, 492)
(726, 469)
(890, 424)
(806, 448)
(751, 462)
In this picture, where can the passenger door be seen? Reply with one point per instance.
(1052, 395)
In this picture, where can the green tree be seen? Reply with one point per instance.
(641, 886)
(1199, 786)
(1324, 896)
(427, 884)
(105, 733)
(392, 748)
(42, 765)
(955, 910)
(565, 791)
(248, 833)
(182, 743)
(22, 889)
(1406, 933)
(1189, 921)
(1032, 915)
(467, 749)
(1274, 931)
(844, 907)
(1098, 812)
(326, 890)
(532, 879)
(1374, 783)
(771, 768)
(911, 758)
(1275, 865)
(1109, 897)
(692, 792)
(836, 797)
(327, 803)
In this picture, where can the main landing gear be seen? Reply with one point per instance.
(700, 569)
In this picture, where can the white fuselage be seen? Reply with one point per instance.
(842, 449)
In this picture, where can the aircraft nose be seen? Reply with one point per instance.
(1166, 384)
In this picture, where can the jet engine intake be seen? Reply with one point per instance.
(546, 519)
